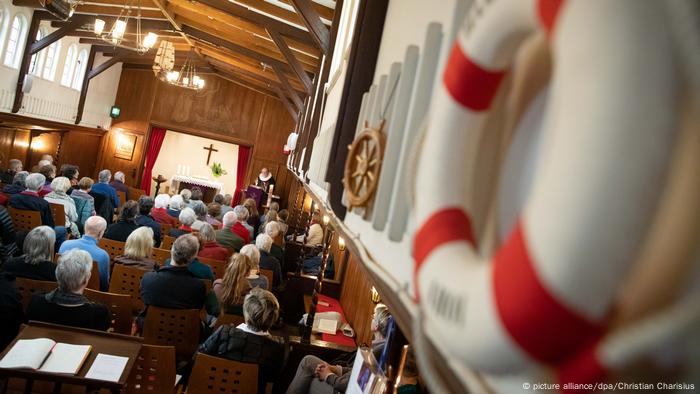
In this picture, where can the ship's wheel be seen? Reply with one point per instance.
(363, 165)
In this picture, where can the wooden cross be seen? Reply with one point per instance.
(210, 149)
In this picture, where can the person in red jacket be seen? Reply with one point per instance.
(159, 212)
(238, 228)
(211, 249)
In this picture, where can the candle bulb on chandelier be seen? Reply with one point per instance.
(99, 26)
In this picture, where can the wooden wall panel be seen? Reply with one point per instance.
(355, 300)
(135, 95)
(131, 168)
(6, 137)
(81, 149)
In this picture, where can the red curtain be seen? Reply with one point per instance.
(155, 141)
(243, 157)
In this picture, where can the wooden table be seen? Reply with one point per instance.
(102, 342)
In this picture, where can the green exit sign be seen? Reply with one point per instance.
(115, 111)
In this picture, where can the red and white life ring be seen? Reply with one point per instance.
(544, 297)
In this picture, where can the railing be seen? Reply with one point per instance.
(39, 107)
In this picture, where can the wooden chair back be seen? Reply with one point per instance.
(226, 318)
(136, 193)
(28, 287)
(165, 230)
(25, 220)
(112, 247)
(153, 370)
(218, 266)
(127, 280)
(218, 375)
(160, 255)
(58, 211)
(167, 241)
(94, 282)
(119, 306)
(173, 327)
(269, 274)
(122, 197)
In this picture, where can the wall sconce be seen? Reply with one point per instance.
(37, 145)
(326, 219)
(374, 296)
(341, 244)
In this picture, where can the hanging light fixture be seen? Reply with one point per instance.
(187, 77)
(116, 35)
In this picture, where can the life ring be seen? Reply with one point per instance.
(544, 297)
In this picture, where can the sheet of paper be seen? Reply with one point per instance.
(66, 358)
(107, 367)
(327, 326)
(27, 353)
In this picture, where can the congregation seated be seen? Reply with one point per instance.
(195, 195)
(72, 172)
(49, 173)
(253, 221)
(268, 262)
(104, 188)
(126, 224)
(213, 212)
(94, 230)
(119, 185)
(144, 218)
(315, 235)
(274, 207)
(225, 203)
(187, 218)
(59, 186)
(17, 184)
(185, 194)
(174, 286)
(37, 260)
(200, 211)
(84, 202)
(160, 213)
(196, 267)
(314, 375)
(232, 288)
(282, 217)
(10, 309)
(67, 305)
(239, 227)
(29, 200)
(226, 237)
(273, 230)
(175, 205)
(8, 236)
(211, 249)
(251, 342)
(138, 249)
(254, 277)
(8, 176)
(270, 217)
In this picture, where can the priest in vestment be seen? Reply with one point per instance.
(265, 180)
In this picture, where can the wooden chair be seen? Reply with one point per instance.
(127, 280)
(167, 241)
(173, 327)
(153, 370)
(119, 306)
(219, 375)
(58, 211)
(113, 248)
(136, 193)
(94, 282)
(226, 318)
(122, 197)
(218, 266)
(25, 220)
(165, 230)
(160, 255)
(269, 274)
(28, 287)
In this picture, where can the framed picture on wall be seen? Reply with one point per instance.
(126, 143)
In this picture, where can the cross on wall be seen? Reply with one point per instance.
(210, 148)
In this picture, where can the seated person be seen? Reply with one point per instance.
(187, 218)
(254, 277)
(17, 184)
(37, 261)
(317, 376)
(14, 167)
(240, 228)
(213, 212)
(103, 187)
(8, 236)
(263, 242)
(29, 200)
(119, 185)
(200, 210)
(251, 342)
(144, 218)
(84, 202)
(234, 286)
(253, 221)
(72, 172)
(138, 249)
(94, 230)
(226, 237)
(60, 186)
(126, 224)
(274, 230)
(49, 172)
(160, 212)
(176, 205)
(174, 286)
(282, 217)
(315, 234)
(185, 194)
(225, 203)
(270, 217)
(10, 309)
(196, 267)
(274, 207)
(210, 248)
(66, 305)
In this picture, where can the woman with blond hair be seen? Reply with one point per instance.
(59, 187)
(254, 277)
(253, 215)
(231, 290)
(138, 249)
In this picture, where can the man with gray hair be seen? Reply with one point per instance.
(14, 166)
(94, 230)
(174, 286)
(201, 211)
(29, 200)
(119, 183)
(187, 218)
(103, 187)
(17, 185)
(226, 237)
(268, 262)
(67, 305)
(175, 205)
(160, 210)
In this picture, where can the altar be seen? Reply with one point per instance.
(209, 188)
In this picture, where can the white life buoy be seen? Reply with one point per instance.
(544, 297)
(292, 141)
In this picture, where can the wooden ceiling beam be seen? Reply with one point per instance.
(290, 91)
(312, 20)
(292, 60)
(325, 12)
(294, 113)
(246, 84)
(146, 24)
(274, 10)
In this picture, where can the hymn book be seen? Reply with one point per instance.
(46, 355)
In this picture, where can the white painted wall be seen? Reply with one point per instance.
(185, 149)
(49, 99)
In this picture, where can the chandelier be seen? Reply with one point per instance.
(163, 68)
(116, 35)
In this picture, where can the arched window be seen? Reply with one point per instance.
(51, 60)
(38, 58)
(80, 70)
(18, 29)
(69, 66)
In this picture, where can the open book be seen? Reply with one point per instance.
(46, 355)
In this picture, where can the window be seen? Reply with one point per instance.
(69, 66)
(80, 70)
(17, 31)
(51, 60)
(37, 58)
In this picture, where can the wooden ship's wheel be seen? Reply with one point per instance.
(363, 165)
